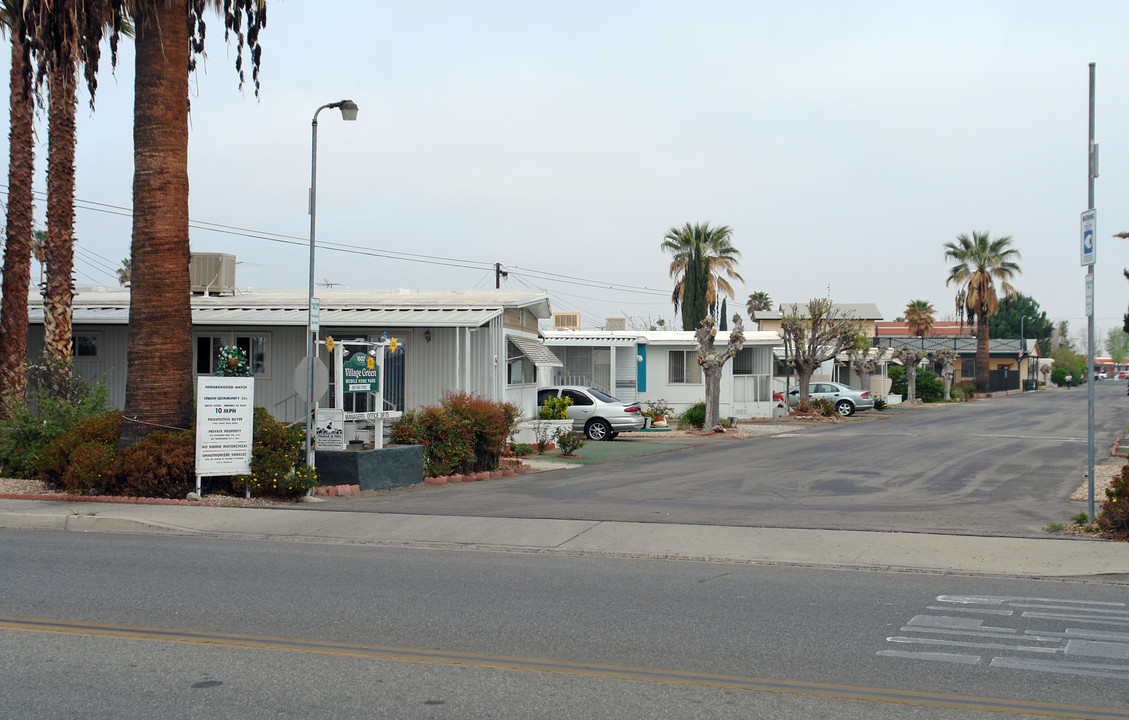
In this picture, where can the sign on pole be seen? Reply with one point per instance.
(1089, 232)
(224, 425)
(330, 429)
(315, 311)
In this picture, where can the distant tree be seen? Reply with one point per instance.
(722, 326)
(1021, 314)
(813, 335)
(125, 272)
(713, 361)
(910, 357)
(1117, 345)
(1060, 337)
(947, 359)
(713, 249)
(920, 317)
(864, 359)
(979, 263)
(758, 301)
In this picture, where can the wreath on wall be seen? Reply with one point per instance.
(232, 363)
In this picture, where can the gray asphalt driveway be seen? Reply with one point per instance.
(995, 467)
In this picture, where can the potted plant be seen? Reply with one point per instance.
(659, 411)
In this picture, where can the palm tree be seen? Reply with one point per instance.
(757, 301)
(980, 262)
(17, 236)
(168, 36)
(717, 256)
(125, 273)
(919, 317)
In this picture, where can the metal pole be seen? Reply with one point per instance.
(310, 339)
(1090, 318)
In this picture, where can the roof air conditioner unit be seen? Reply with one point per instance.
(211, 273)
(566, 321)
(616, 323)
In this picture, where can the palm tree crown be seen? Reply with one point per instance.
(919, 317)
(759, 300)
(718, 257)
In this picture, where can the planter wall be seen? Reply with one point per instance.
(394, 466)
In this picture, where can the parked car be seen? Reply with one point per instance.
(596, 414)
(846, 399)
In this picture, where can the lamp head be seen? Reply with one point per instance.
(348, 109)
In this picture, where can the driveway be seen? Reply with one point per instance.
(992, 467)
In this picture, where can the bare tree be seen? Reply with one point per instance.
(909, 357)
(864, 359)
(712, 361)
(813, 335)
(948, 360)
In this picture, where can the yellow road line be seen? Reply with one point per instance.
(562, 667)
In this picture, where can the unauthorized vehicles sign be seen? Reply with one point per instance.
(360, 374)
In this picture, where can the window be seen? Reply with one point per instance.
(578, 398)
(520, 370)
(753, 361)
(968, 367)
(84, 346)
(255, 347)
(684, 367)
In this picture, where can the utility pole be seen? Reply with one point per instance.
(498, 275)
(1091, 214)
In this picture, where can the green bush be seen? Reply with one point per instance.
(278, 466)
(569, 442)
(964, 390)
(880, 404)
(55, 458)
(657, 408)
(927, 388)
(1114, 516)
(694, 416)
(57, 398)
(824, 407)
(161, 465)
(554, 408)
(466, 433)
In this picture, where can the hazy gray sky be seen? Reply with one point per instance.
(844, 143)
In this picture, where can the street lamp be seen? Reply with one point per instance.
(348, 112)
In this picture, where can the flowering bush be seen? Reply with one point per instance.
(1114, 516)
(569, 442)
(277, 464)
(466, 433)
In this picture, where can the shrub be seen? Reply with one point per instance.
(1114, 516)
(488, 422)
(569, 442)
(658, 407)
(57, 398)
(92, 467)
(55, 458)
(554, 408)
(277, 464)
(448, 445)
(965, 390)
(824, 407)
(161, 465)
(465, 434)
(880, 404)
(927, 387)
(694, 416)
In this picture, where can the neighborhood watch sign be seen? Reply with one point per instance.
(361, 374)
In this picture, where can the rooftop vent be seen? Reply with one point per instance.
(615, 323)
(212, 273)
(566, 321)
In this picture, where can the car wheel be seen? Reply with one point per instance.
(597, 430)
(845, 408)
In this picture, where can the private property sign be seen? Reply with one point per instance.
(224, 425)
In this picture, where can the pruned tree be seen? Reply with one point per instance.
(947, 359)
(712, 361)
(909, 357)
(812, 335)
(865, 359)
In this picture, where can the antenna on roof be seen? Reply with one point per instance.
(327, 284)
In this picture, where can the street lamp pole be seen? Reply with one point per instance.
(348, 112)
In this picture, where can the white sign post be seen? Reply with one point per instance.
(224, 426)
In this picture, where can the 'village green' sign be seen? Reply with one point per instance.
(361, 374)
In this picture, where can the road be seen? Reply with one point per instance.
(995, 467)
(118, 626)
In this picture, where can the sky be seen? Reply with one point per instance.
(843, 144)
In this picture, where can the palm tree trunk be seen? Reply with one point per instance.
(982, 352)
(159, 369)
(17, 248)
(59, 251)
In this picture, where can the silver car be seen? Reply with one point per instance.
(845, 399)
(596, 414)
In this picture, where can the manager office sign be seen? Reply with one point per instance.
(224, 425)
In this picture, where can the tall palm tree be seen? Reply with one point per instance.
(17, 236)
(717, 257)
(920, 317)
(757, 301)
(125, 273)
(168, 36)
(979, 262)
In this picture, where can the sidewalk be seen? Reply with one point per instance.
(1059, 558)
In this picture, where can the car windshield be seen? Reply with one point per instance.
(601, 396)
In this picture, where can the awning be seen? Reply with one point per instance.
(296, 317)
(540, 355)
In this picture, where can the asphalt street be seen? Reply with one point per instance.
(1002, 466)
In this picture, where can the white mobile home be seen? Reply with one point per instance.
(479, 341)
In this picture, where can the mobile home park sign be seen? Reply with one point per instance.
(361, 374)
